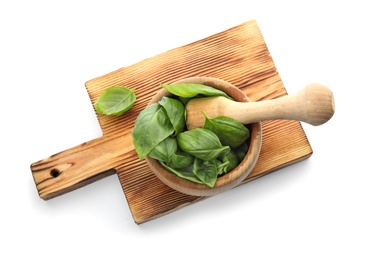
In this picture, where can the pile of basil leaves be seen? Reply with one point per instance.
(200, 155)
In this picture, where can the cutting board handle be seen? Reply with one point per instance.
(80, 165)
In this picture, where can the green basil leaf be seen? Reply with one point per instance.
(231, 161)
(151, 127)
(201, 143)
(192, 90)
(115, 101)
(221, 167)
(176, 113)
(206, 171)
(182, 160)
(229, 131)
(184, 100)
(165, 150)
(241, 151)
(185, 173)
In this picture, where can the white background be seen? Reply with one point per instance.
(334, 205)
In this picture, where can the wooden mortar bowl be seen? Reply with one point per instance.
(227, 181)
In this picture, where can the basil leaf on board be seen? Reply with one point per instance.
(241, 151)
(192, 90)
(206, 171)
(229, 131)
(231, 160)
(151, 127)
(165, 150)
(185, 173)
(176, 113)
(115, 101)
(201, 143)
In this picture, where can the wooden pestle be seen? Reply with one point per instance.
(314, 104)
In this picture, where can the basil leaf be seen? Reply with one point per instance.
(181, 160)
(192, 90)
(206, 171)
(241, 151)
(229, 131)
(151, 127)
(115, 101)
(184, 100)
(201, 143)
(231, 161)
(221, 166)
(165, 150)
(176, 113)
(185, 173)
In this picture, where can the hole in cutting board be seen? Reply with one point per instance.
(55, 173)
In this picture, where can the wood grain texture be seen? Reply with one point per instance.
(238, 55)
(80, 165)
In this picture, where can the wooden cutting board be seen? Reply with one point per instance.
(238, 55)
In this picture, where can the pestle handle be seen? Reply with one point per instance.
(314, 104)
